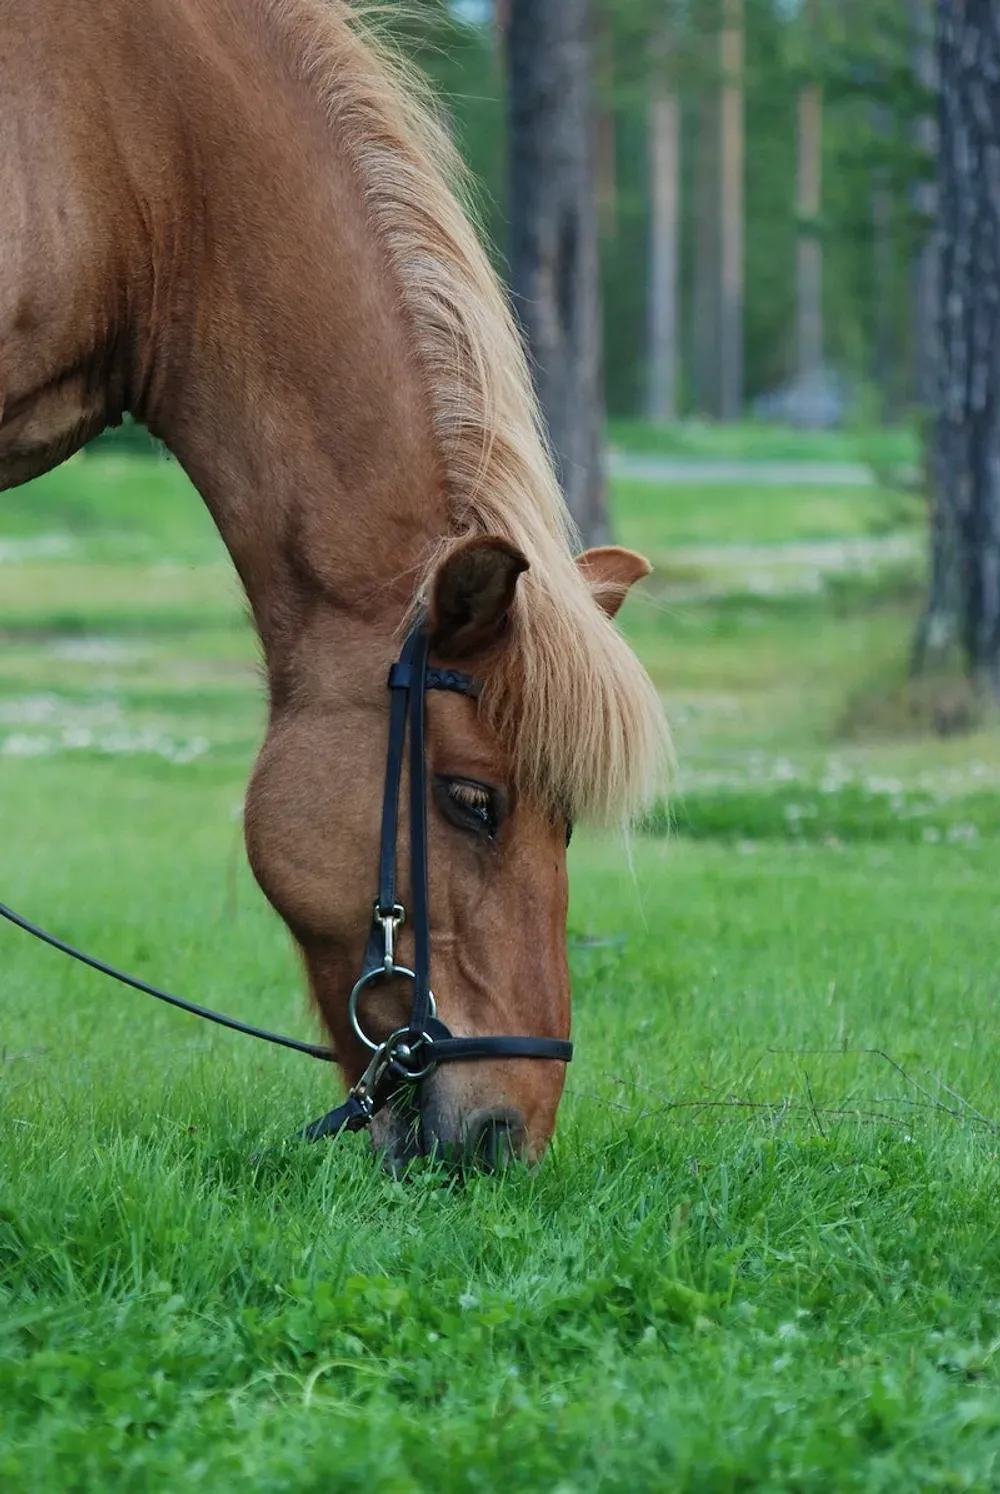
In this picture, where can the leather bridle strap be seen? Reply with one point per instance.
(420, 1011)
(411, 1053)
(456, 1049)
(356, 1114)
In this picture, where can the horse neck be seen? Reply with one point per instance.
(280, 371)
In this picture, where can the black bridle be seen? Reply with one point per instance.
(411, 1053)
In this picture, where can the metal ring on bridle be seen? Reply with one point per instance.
(370, 978)
(401, 1050)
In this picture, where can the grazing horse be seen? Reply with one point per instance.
(237, 220)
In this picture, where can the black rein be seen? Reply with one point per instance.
(312, 1050)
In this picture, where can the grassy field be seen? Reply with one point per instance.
(764, 1251)
(751, 441)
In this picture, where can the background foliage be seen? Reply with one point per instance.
(861, 55)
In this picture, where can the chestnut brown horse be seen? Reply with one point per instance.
(237, 220)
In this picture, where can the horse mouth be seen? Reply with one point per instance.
(484, 1140)
(396, 1134)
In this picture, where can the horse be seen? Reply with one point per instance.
(243, 222)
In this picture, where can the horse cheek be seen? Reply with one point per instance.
(302, 831)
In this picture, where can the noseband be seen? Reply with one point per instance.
(411, 1053)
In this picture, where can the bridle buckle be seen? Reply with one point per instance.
(390, 922)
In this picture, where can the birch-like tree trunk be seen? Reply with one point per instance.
(731, 173)
(925, 262)
(705, 298)
(664, 246)
(605, 133)
(964, 601)
(883, 366)
(809, 252)
(554, 238)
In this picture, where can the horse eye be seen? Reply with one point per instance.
(472, 806)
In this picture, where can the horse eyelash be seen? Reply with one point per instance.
(471, 795)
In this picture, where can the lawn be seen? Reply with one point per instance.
(764, 1250)
(752, 440)
(662, 519)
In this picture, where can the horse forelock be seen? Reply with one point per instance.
(568, 698)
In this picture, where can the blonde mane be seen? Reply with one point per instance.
(569, 699)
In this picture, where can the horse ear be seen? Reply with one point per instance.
(471, 595)
(610, 571)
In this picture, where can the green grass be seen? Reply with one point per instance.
(763, 1252)
(758, 441)
(657, 518)
(115, 506)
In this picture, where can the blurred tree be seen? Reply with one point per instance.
(731, 189)
(924, 198)
(815, 75)
(706, 237)
(771, 83)
(660, 119)
(555, 274)
(878, 103)
(808, 186)
(883, 205)
(606, 145)
(719, 230)
(665, 216)
(964, 600)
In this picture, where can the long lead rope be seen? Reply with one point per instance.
(312, 1050)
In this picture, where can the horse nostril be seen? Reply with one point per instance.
(495, 1138)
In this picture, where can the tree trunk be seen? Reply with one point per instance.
(554, 239)
(731, 171)
(883, 339)
(925, 262)
(705, 300)
(809, 258)
(964, 599)
(501, 20)
(605, 136)
(664, 174)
